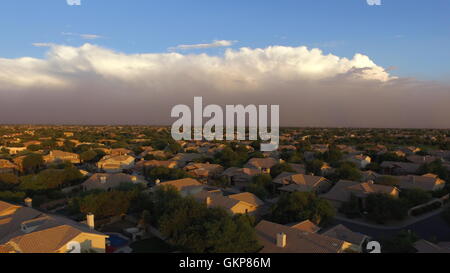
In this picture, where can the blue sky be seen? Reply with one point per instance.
(411, 35)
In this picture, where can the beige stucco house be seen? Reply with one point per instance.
(26, 230)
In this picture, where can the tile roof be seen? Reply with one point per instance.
(247, 197)
(297, 241)
(42, 232)
(341, 232)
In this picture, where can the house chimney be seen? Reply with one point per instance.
(103, 179)
(90, 220)
(208, 201)
(29, 202)
(281, 239)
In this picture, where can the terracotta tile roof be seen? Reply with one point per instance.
(180, 184)
(306, 226)
(370, 187)
(247, 197)
(6, 164)
(297, 241)
(32, 231)
(265, 163)
(217, 200)
(340, 191)
(156, 163)
(107, 180)
(427, 182)
(343, 233)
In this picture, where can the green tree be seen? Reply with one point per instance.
(261, 186)
(352, 208)
(88, 156)
(402, 242)
(435, 167)
(106, 204)
(382, 208)
(314, 166)
(348, 171)
(300, 206)
(32, 163)
(193, 227)
(279, 168)
(164, 173)
(8, 181)
(446, 215)
(10, 196)
(415, 197)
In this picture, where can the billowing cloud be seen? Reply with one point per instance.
(95, 85)
(216, 43)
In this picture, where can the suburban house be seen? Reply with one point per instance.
(186, 186)
(241, 203)
(145, 151)
(121, 151)
(341, 232)
(203, 171)
(326, 169)
(68, 134)
(240, 177)
(143, 166)
(344, 189)
(15, 150)
(27, 230)
(369, 175)
(19, 162)
(116, 163)
(410, 150)
(56, 156)
(7, 166)
(321, 148)
(418, 159)
(292, 182)
(108, 181)
(32, 142)
(361, 161)
(298, 168)
(399, 168)
(262, 164)
(276, 238)
(183, 159)
(426, 182)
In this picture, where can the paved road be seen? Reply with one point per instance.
(432, 227)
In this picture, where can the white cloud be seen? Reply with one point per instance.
(42, 44)
(215, 43)
(244, 68)
(91, 84)
(83, 36)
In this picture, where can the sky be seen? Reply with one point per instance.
(326, 62)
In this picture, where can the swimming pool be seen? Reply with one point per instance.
(117, 240)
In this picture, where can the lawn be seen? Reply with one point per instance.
(151, 245)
